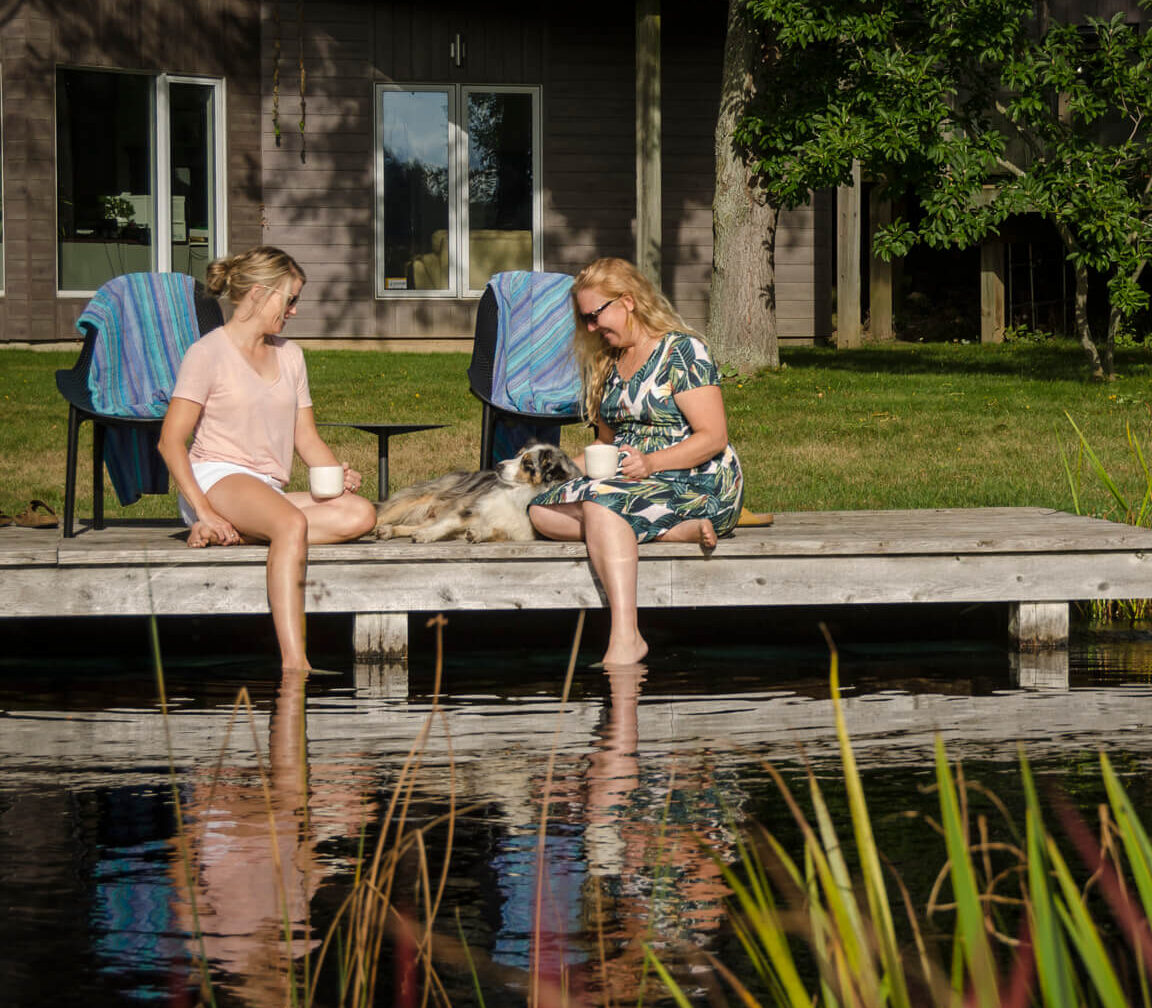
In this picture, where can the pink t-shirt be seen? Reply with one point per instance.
(245, 420)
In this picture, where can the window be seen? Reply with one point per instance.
(137, 157)
(1, 207)
(458, 187)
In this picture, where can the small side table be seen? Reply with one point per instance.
(383, 432)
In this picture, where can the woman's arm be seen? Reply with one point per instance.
(314, 451)
(179, 423)
(703, 408)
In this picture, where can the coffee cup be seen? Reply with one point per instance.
(601, 460)
(326, 481)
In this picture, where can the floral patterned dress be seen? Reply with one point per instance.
(643, 414)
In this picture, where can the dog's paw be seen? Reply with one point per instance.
(472, 536)
(383, 531)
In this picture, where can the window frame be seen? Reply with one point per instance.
(458, 223)
(160, 145)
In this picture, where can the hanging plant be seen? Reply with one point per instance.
(303, 77)
(276, 74)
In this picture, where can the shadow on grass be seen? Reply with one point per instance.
(1057, 360)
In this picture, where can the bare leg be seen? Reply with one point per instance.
(338, 519)
(564, 522)
(616, 559)
(694, 530)
(259, 512)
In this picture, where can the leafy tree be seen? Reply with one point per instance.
(982, 109)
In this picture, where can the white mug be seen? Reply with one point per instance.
(601, 460)
(326, 481)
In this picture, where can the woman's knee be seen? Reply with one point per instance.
(357, 516)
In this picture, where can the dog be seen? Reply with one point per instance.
(486, 506)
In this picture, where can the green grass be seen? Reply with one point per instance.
(889, 426)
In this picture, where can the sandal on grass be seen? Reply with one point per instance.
(38, 515)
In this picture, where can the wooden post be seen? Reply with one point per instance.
(879, 271)
(380, 637)
(849, 332)
(992, 292)
(649, 203)
(1038, 626)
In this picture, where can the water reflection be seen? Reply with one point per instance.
(648, 763)
(245, 865)
(651, 835)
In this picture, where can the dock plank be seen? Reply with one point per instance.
(983, 555)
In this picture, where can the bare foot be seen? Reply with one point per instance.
(698, 530)
(198, 536)
(623, 653)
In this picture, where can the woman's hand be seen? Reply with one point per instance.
(216, 530)
(352, 479)
(635, 464)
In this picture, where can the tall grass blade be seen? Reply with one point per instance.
(1099, 469)
(1050, 951)
(879, 907)
(972, 938)
(1084, 934)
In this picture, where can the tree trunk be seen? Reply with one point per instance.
(742, 310)
(1102, 367)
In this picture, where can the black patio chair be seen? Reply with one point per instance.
(531, 356)
(160, 314)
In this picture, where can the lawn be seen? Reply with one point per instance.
(889, 426)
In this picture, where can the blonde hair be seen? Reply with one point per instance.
(615, 278)
(263, 266)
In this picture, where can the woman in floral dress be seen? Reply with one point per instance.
(653, 391)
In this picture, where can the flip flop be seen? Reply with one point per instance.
(754, 519)
(38, 515)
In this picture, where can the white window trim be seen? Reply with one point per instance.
(160, 139)
(458, 185)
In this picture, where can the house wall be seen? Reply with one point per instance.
(212, 37)
(313, 191)
(319, 186)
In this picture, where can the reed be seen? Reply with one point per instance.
(1135, 506)
(817, 933)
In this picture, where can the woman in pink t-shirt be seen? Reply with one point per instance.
(242, 398)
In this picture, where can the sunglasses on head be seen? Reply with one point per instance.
(593, 317)
(290, 300)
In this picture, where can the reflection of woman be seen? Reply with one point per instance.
(655, 876)
(242, 397)
(253, 861)
(653, 391)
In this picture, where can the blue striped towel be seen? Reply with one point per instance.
(534, 370)
(145, 322)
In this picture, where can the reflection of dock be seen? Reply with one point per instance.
(1033, 561)
(494, 743)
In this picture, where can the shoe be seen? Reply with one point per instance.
(38, 515)
(754, 519)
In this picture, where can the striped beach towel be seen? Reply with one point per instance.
(143, 324)
(534, 370)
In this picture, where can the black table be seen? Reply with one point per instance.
(383, 432)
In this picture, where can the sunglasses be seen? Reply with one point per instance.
(290, 300)
(593, 317)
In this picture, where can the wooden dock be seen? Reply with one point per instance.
(1034, 561)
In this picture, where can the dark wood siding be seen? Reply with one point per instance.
(219, 38)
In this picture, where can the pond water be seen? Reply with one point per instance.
(187, 856)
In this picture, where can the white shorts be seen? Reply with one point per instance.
(208, 474)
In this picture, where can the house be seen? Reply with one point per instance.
(402, 150)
